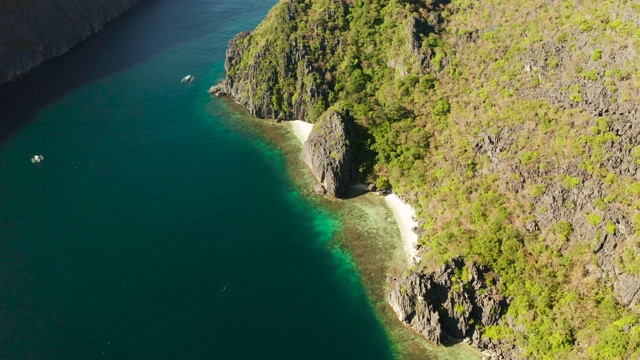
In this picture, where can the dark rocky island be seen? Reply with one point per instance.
(511, 127)
(32, 32)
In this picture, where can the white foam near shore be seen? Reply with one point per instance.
(301, 129)
(404, 213)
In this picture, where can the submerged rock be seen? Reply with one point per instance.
(329, 155)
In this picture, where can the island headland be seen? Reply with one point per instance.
(32, 32)
(512, 128)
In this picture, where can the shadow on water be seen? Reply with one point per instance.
(147, 29)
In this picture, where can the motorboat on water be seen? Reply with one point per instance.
(37, 158)
(187, 79)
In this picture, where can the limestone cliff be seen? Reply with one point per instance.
(457, 301)
(328, 153)
(32, 32)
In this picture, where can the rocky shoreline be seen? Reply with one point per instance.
(420, 301)
(452, 304)
(370, 234)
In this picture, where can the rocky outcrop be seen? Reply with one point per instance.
(254, 80)
(454, 302)
(328, 153)
(32, 32)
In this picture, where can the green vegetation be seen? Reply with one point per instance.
(538, 190)
(428, 83)
(570, 181)
(636, 154)
(596, 55)
(594, 219)
(562, 229)
(459, 309)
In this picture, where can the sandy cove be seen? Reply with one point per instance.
(402, 212)
(301, 129)
(404, 215)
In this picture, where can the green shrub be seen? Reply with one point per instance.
(382, 183)
(596, 55)
(594, 219)
(636, 154)
(427, 82)
(570, 181)
(576, 97)
(436, 61)
(528, 156)
(442, 108)
(610, 227)
(538, 190)
(603, 124)
(591, 74)
(562, 229)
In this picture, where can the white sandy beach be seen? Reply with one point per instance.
(301, 129)
(403, 213)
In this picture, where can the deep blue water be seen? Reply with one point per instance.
(155, 229)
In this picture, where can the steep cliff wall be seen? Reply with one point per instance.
(329, 154)
(35, 31)
(272, 71)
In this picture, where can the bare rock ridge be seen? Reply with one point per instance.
(453, 303)
(32, 32)
(329, 155)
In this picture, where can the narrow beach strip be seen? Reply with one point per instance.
(404, 213)
(301, 129)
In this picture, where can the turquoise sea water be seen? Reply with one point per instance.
(155, 228)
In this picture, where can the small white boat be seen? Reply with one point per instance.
(187, 79)
(37, 158)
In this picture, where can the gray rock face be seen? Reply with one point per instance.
(32, 32)
(442, 305)
(329, 155)
(255, 87)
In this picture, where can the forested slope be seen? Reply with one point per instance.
(513, 129)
